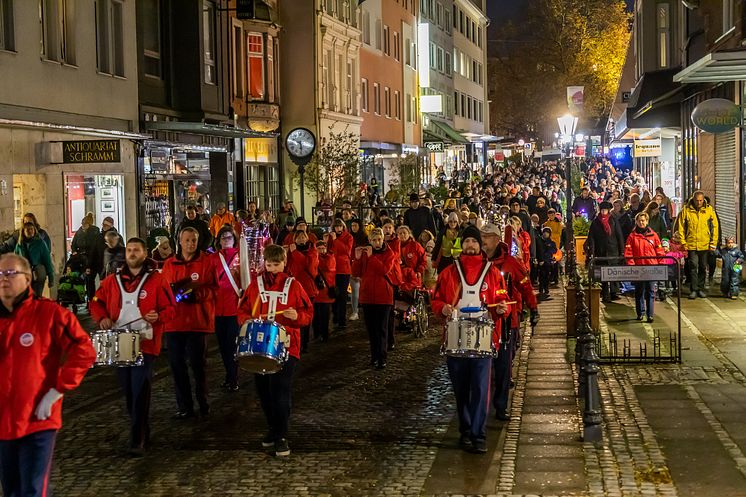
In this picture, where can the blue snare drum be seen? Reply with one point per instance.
(261, 346)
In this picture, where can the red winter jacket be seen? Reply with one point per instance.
(413, 265)
(303, 265)
(327, 267)
(42, 346)
(526, 246)
(226, 299)
(378, 274)
(646, 244)
(448, 288)
(290, 239)
(341, 247)
(155, 296)
(198, 273)
(251, 306)
(520, 283)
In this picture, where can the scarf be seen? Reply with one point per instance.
(605, 223)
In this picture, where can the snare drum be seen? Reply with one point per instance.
(471, 338)
(117, 347)
(262, 346)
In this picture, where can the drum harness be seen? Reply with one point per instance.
(470, 293)
(130, 312)
(272, 297)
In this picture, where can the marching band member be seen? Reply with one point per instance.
(471, 281)
(390, 238)
(340, 245)
(45, 354)
(377, 266)
(228, 292)
(300, 225)
(303, 265)
(324, 300)
(276, 295)
(192, 276)
(520, 291)
(136, 291)
(412, 259)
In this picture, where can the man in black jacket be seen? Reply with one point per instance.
(418, 217)
(584, 205)
(192, 220)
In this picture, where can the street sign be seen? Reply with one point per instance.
(435, 146)
(632, 273)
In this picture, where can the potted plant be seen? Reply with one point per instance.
(580, 226)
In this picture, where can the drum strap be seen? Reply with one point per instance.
(229, 275)
(272, 297)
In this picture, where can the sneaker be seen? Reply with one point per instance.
(639, 318)
(353, 317)
(650, 319)
(136, 451)
(692, 295)
(701, 294)
(181, 415)
(502, 416)
(479, 446)
(465, 443)
(282, 449)
(268, 441)
(734, 297)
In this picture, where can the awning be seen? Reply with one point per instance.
(443, 131)
(200, 128)
(728, 65)
(653, 105)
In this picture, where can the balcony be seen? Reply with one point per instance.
(262, 117)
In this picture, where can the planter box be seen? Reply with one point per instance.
(579, 252)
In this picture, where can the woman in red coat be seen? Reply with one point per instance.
(378, 268)
(340, 244)
(412, 260)
(643, 242)
(303, 265)
(322, 304)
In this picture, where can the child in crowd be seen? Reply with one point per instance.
(322, 304)
(731, 271)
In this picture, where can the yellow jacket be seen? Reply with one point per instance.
(698, 228)
(557, 227)
(217, 221)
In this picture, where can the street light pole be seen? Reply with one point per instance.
(567, 124)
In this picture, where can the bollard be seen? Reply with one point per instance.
(592, 419)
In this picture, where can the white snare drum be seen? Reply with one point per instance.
(117, 347)
(469, 337)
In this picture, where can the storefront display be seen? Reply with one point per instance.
(100, 194)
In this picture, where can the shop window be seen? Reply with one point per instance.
(256, 66)
(7, 38)
(100, 194)
(208, 43)
(58, 30)
(151, 19)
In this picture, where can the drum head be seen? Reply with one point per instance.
(259, 364)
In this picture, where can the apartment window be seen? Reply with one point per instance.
(326, 79)
(348, 86)
(379, 30)
(474, 70)
(408, 51)
(728, 15)
(447, 21)
(110, 37)
(481, 112)
(455, 102)
(473, 32)
(151, 19)
(433, 62)
(456, 67)
(58, 30)
(479, 73)
(397, 105)
(366, 28)
(237, 56)
(397, 49)
(255, 52)
(461, 21)
(468, 28)
(364, 96)
(468, 107)
(448, 63)
(663, 26)
(463, 105)
(376, 99)
(431, 9)
(386, 41)
(387, 101)
(440, 56)
(330, 4)
(439, 14)
(208, 43)
(455, 16)
(408, 109)
(7, 38)
(271, 71)
(343, 9)
(479, 37)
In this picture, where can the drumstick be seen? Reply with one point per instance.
(508, 303)
(261, 316)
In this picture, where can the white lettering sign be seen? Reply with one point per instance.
(632, 273)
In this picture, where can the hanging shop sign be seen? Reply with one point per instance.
(434, 146)
(84, 151)
(647, 148)
(717, 115)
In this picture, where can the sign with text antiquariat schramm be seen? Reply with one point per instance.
(82, 151)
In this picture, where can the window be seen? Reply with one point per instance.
(440, 56)
(397, 105)
(447, 21)
(431, 9)
(468, 107)
(58, 30)
(408, 51)
(110, 37)
(468, 28)
(433, 62)
(386, 41)
(208, 43)
(364, 96)
(330, 4)
(7, 38)
(151, 20)
(461, 21)
(343, 9)
(366, 27)
(481, 112)
(397, 47)
(479, 37)
(447, 65)
(271, 50)
(473, 32)
(663, 26)
(456, 65)
(326, 79)
(439, 14)
(408, 109)
(455, 16)
(376, 99)
(463, 105)
(237, 56)
(379, 29)
(387, 101)
(474, 70)
(255, 52)
(479, 74)
(728, 15)
(348, 86)
(455, 102)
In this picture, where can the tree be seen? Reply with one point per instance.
(408, 174)
(334, 169)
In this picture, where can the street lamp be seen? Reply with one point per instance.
(567, 125)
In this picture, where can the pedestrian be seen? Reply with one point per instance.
(584, 205)
(192, 278)
(286, 230)
(276, 295)
(45, 354)
(698, 229)
(360, 239)
(84, 246)
(113, 256)
(9, 245)
(448, 244)
(730, 279)
(472, 282)
(340, 243)
(192, 220)
(222, 217)
(418, 217)
(413, 260)
(303, 265)
(322, 304)
(227, 274)
(643, 248)
(33, 248)
(162, 251)
(546, 254)
(377, 266)
(605, 241)
(300, 225)
(657, 222)
(136, 291)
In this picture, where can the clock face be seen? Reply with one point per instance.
(300, 142)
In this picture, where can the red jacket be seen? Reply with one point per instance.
(413, 264)
(341, 247)
(42, 346)
(199, 274)
(155, 295)
(645, 244)
(226, 300)
(251, 306)
(303, 265)
(379, 274)
(327, 267)
(520, 283)
(448, 288)
(526, 246)
(290, 238)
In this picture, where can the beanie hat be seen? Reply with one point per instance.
(472, 231)
(606, 205)
(413, 197)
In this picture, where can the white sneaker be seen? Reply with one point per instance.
(354, 316)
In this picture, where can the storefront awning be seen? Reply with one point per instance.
(729, 65)
(444, 132)
(653, 105)
(199, 128)
(79, 130)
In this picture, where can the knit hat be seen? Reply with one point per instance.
(413, 197)
(300, 220)
(472, 231)
(515, 200)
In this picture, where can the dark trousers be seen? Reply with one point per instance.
(730, 281)
(377, 323)
(698, 268)
(391, 329)
(470, 379)
(226, 331)
(321, 313)
(275, 395)
(502, 367)
(25, 464)
(136, 383)
(712, 260)
(644, 297)
(545, 272)
(90, 285)
(191, 345)
(305, 337)
(341, 282)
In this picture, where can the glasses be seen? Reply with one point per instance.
(227, 237)
(10, 273)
